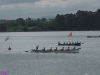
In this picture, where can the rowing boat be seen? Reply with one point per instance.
(55, 51)
(77, 44)
(93, 36)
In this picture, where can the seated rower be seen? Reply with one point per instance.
(72, 43)
(77, 41)
(62, 49)
(55, 49)
(59, 43)
(50, 49)
(69, 43)
(68, 48)
(43, 49)
(64, 43)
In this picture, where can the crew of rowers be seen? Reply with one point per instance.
(59, 49)
(68, 43)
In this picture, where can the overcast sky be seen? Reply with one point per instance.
(13, 9)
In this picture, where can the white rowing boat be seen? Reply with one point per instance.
(54, 51)
(58, 51)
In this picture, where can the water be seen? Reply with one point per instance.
(19, 62)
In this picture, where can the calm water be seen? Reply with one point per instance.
(18, 62)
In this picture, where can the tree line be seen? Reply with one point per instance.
(80, 21)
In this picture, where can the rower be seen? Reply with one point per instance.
(68, 48)
(77, 41)
(64, 43)
(69, 43)
(55, 49)
(37, 47)
(51, 49)
(62, 48)
(59, 43)
(44, 49)
(72, 42)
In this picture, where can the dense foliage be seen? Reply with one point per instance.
(81, 20)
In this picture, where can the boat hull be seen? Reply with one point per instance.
(58, 51)
(77, 44)
(93, 36)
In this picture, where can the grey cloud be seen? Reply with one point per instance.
(4, 2)
(27, 8)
